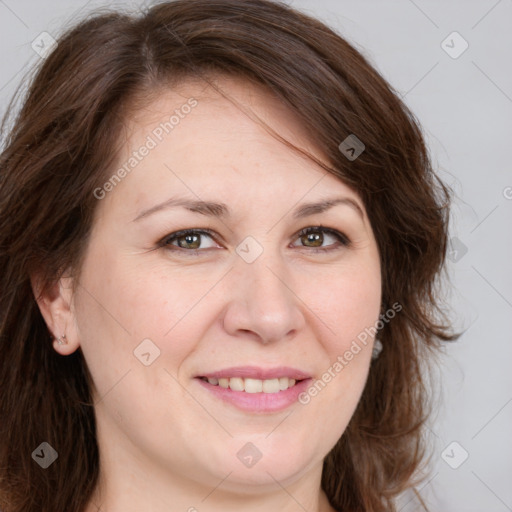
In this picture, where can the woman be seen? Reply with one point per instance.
(221, 236)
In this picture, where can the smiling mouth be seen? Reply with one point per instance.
(253, 385)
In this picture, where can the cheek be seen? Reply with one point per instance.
(135, 301)
(118, 306)
(348, 309)
(348, 303)
(122, 303)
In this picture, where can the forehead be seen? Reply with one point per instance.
(201, 143)
(238, 112)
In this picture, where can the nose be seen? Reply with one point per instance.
(262, 302)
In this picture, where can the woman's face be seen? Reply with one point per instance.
(244, 297)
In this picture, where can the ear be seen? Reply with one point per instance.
(56, 306)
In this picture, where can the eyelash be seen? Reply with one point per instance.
(343, 240)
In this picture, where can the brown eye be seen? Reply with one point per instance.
(190, 240)
(315, 237)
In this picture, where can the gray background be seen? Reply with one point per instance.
(465, 107)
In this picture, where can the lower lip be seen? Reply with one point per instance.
(258, 402)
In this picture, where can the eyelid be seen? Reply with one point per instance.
(341, 237)
(183, 232)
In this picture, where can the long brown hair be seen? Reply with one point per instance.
(61, 147)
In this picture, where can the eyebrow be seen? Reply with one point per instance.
(221, 210)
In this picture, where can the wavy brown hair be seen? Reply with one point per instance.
(62, 144)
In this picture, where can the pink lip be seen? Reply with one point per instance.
(255, 372)
(257, 402)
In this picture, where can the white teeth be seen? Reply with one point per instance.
(271, 386)
(236, 384)
(253, 385)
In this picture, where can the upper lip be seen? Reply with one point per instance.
(256, 372)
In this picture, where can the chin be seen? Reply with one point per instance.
(262, 463)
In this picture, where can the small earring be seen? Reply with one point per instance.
(377, 349)
(62, 340)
